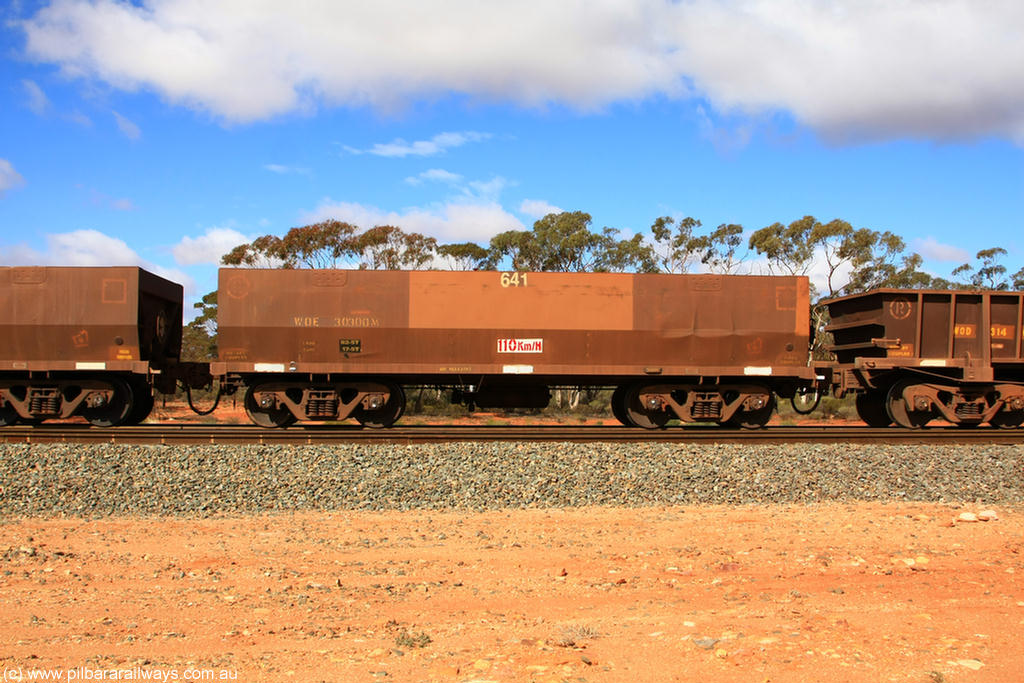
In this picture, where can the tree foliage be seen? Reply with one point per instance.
(332, 244)
(675, 245)
(564, 242)
(386, 247)
(851, 259)
(463, 256)
(989, 273)
(199, 337)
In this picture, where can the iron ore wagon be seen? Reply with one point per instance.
(337, 344)
(912, 356)
(86, 341)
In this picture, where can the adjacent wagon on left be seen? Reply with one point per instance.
(86, 341)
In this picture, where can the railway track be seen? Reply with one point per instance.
(320, 434)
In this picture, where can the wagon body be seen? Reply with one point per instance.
(972, 335)
(431, 326)
(330, 344)
(67, 318)
(89, 342)
(914, 355)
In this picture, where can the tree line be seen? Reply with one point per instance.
(851, 259)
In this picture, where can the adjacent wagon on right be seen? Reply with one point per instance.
(912, 356)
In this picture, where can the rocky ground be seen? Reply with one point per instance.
(72, 479)
(506, 562)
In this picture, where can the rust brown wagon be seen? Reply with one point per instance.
(337, 344)
(912, 356)
(85, 341)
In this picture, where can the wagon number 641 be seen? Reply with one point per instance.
(513, 279)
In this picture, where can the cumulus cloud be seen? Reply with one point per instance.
(421, 148)
(538, 208)
(849, 68)
(127, 127)
(38, 103)
(9, 178)
(933, 250)
(86, 248)
(455, 221)
(208, 248)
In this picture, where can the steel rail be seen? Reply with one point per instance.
(332, 434)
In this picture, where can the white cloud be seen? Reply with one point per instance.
(38, 103)
(933, 250)
(486, 189)
(87, 248)
(282, 169)
(538, 208)
(79, 118)
(455, 221)
(435, 175)
(102, 199)
(421, 148)
(9, 178)
(127, 127)
(849, 68)
(207, 248)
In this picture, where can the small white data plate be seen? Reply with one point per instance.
(268, 367)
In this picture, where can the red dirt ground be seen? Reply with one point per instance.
(865, 592)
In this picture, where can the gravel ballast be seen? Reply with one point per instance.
(110, 480)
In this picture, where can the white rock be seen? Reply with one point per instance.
(968, 517)
(987, 515)
(972, 664)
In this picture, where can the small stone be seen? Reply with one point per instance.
(972, 664)
(721, 654)
(967, 517)
(988, 515)
(705, 643)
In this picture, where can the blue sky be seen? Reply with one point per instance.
(161, 133)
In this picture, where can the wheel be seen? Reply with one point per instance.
(902, 414)
(117, 409)
(1007, 419)
(386, 415)
(805, 401)
(638, 415)
(143, 403)
(266, 417)
(619, 406)
(8, 415)
(754, 419)
(871, 409)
